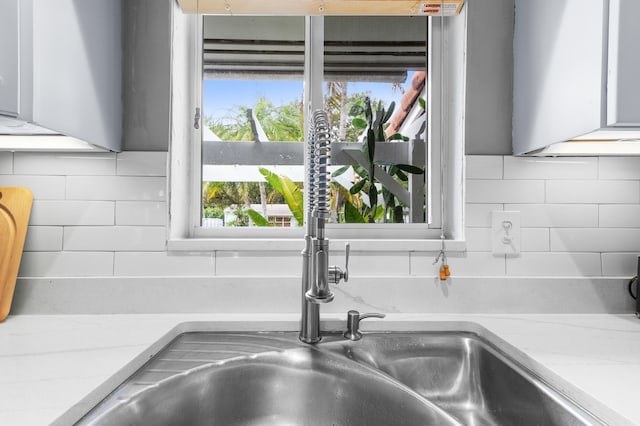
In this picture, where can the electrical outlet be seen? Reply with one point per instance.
(505, 232)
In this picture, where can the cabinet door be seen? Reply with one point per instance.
(77, 70)
(558, 71)
(9, 57)
(623, 88)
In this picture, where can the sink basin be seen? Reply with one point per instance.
(270, 378)
(297, 387)
(470, 379)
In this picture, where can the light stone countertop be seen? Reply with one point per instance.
(50, 363)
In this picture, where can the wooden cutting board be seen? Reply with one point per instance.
(15, 208)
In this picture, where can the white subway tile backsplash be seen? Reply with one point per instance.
(534, 239)
(6, 163)
(593, 191)
(163, 264)
(105, 215)
(378, 264)
(160, 295)
(556, 215)
(484, 167)
(476, 264)
(43, 187)
(114, 238)
(72, 213)
(140, 238)
(138, 163)
(116, 188)
(620, 264)
(479, 215)
(505, 191)
(478, 239)
(43, 238)
(250, 263)
(66, 264)
(469, 264)
(246, 295)
(422, 264)
(554, 264)
(620, 216)
(141, 213)
(89, 238)
(595, 239)
(290, 264)
(619, 168)
(64, 164)
(550, 168)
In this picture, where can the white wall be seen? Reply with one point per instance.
(96, 244)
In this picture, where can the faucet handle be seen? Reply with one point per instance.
(353, 323)
(336, 274)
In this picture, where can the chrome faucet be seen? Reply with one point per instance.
(316, 272)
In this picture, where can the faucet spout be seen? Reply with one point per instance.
(319, 290)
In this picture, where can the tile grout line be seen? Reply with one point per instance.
(505, 265)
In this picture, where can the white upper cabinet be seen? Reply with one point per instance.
(9, 57)
(623, 88)
(576, 66)
(69, 57)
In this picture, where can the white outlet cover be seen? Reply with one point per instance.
(505, 232)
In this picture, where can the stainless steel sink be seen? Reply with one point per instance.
(399, 378)
(470, 379)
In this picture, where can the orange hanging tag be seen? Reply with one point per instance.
(443, 274)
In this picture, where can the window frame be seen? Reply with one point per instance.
(447, 45)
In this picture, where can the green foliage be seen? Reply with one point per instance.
(375, 122)
(291, 192)
(282, 123)
(225, 194)
(357, 187)
(398, 137)
(242, 218)
(338, 104)
(217, 196)
(359, 123)
(213, 212)
(351, 213)
(257, 218)
(410, 169)
(340, 171)
(285, 123)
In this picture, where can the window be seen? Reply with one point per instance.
(253, 120)
(240, 154)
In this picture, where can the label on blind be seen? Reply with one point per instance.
(440, 8)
